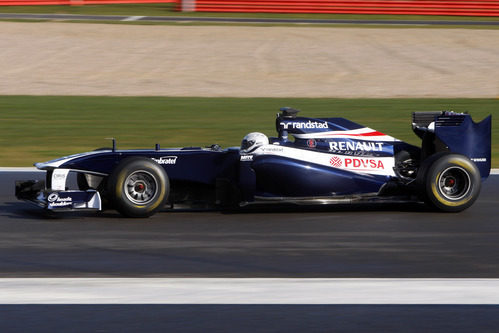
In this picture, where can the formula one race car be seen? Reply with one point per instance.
(311, 161)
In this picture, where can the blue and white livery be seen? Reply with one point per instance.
(310, 161)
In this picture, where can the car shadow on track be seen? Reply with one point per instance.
(26, 211)
(335, 208)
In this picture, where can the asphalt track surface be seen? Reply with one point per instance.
(243, 20)
(388, 241)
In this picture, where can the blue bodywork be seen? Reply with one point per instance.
(311, 158)
(187, 164)
(460, 134)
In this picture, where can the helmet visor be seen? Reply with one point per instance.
(246, 144)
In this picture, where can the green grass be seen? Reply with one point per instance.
(168, 9)
(36, 128)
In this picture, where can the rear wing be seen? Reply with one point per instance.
(457, 133)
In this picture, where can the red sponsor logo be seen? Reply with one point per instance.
(335, 161)
(311, 143)
(359, 163)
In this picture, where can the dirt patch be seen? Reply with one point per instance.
(99, 59)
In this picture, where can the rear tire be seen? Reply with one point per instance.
(452, 183)
(138, 187)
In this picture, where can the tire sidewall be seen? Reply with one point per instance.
(433, 191)
(117, 192)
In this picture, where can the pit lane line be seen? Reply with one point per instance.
(248, 291)
(241, 20)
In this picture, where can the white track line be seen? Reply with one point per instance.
(132, 18)
(247, 291)
(17, 169)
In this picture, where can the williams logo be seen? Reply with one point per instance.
(171, 160)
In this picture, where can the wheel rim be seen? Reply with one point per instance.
(140, 187)
(454, 183)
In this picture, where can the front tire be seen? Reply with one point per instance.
(138, 187)
(452, 183)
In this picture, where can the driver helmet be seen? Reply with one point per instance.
(252, 141)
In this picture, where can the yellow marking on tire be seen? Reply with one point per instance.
(160, 198)
(120, 180)
(440, 198)
(461, 164)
